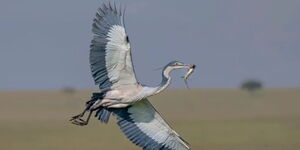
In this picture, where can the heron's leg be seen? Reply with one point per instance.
(79, 115)
(120, 105)
(94, 99)
(109, 102)
(113, 103)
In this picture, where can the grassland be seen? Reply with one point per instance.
(210, 119)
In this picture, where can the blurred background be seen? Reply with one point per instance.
(245, 90)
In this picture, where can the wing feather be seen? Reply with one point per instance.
(143, 125)
(110, 53)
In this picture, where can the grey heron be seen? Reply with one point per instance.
(120, 92)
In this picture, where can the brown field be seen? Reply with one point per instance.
(210, 119)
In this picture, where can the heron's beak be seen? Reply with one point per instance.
(189, 66)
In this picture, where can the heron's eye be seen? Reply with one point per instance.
(177, 63)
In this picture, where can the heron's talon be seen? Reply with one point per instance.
(79, 122)
(76, 117)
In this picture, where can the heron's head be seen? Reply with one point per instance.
(176, 65)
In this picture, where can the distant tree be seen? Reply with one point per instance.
(251, 85)
(68, 90)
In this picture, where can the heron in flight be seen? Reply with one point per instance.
(120, 92)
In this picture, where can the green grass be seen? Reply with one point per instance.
(215, 119)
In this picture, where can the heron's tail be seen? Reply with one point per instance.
(103, 114)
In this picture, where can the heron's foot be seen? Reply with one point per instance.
(77, 117)
(78, 121)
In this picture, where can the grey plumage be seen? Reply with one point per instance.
(103, 114)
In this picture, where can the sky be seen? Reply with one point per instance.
(45, 44)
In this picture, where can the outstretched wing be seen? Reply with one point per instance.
(143, 125)
(110, 55)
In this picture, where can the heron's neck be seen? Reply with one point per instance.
(165, 82)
